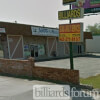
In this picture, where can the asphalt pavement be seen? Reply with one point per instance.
(18, 89)
(22, 89)
(88, 65)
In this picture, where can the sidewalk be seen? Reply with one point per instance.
(22, 89)
(17, 89)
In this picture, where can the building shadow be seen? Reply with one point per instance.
(92, 56)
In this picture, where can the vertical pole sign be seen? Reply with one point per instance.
(72, 32)
(71, 49)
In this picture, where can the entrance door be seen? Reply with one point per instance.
(34, 50)
(32, 53)
(79, 49)
(15, 46)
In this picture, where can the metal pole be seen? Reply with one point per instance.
(71, 50)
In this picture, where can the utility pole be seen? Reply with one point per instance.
(71, 48)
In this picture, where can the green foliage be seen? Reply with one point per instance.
(94, 29)
(94, 81)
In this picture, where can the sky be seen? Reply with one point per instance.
(38, 12)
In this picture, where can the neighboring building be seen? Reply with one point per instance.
(80, 48)
(92, 46)
(20, 41)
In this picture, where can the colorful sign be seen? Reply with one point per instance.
(87, 4)
(71, 32)
(68, 1)
(44, 31)
(71, 14)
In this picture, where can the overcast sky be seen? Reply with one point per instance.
(38, 12)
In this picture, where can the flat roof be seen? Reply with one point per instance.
(28, 24)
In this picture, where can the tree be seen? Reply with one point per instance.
(94, 29)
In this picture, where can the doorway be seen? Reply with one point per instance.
(34, 50)
(79, 49)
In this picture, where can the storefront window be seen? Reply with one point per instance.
(1, 51)
(41, 50)
(27, 52)
(34, 50)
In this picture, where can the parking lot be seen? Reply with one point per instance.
(22, 89)
(88, 65)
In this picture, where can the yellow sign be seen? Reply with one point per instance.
(71, 32)
(68, 1)
(71, 14)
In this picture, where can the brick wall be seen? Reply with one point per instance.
(28, 68)
(16, 29)
(16, 67)
(63, 75)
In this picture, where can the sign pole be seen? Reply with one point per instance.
(71, 50)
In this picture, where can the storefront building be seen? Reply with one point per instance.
(20, 41)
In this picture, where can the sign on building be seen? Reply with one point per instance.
(2, 30)
(68, 1)
(71, 32)
(90, 6)
(71, 14)
(43, 31)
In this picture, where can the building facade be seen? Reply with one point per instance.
(20, 41)
(92, 46)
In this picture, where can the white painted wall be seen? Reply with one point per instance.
(93, 45)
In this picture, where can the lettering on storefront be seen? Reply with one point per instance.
(42, 31)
